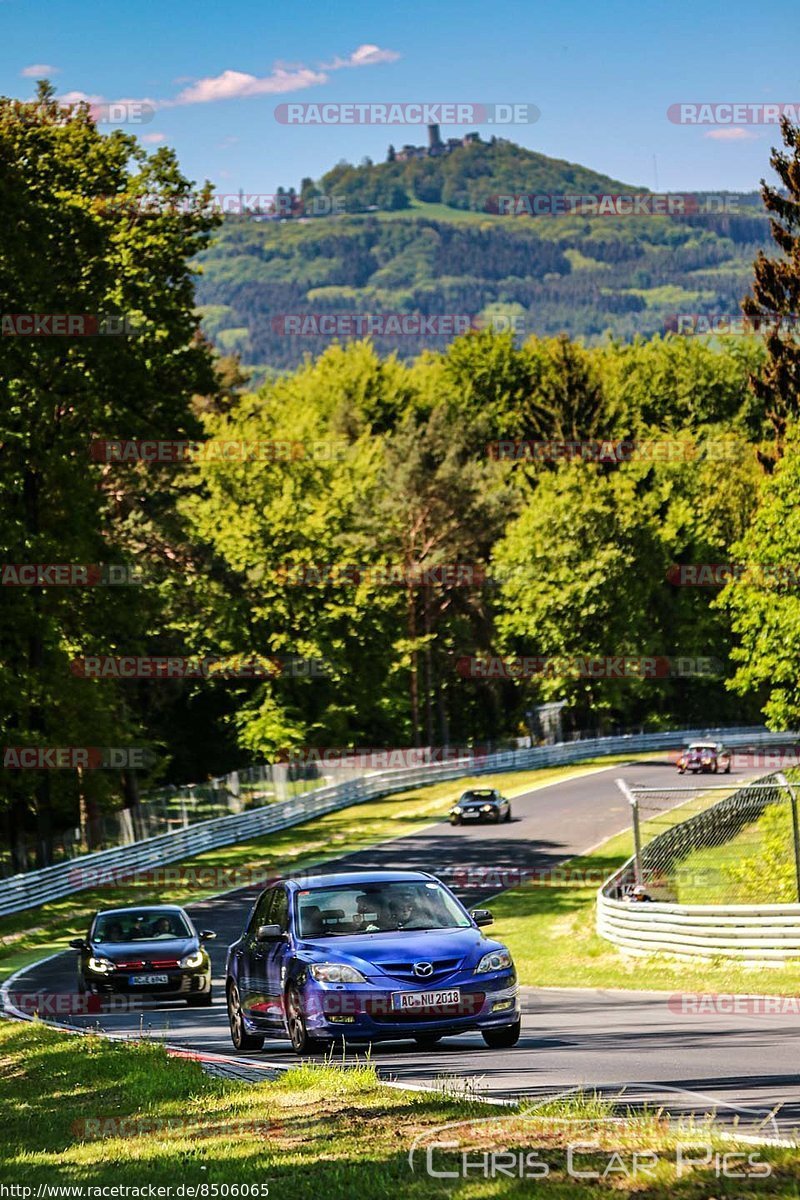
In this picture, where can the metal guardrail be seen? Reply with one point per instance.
(53, 883)
(755, 934)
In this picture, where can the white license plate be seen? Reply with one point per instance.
(143, 980)
(470, 814)
(405, 1000)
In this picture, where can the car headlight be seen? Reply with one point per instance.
(456, 808)
(335, 973)
(487, 808)
(102, 966)
(195, 959)
(497, 960)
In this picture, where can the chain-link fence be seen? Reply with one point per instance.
(716, 844)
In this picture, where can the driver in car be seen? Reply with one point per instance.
(403, 911)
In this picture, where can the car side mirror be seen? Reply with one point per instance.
(207, 935)
(77, 944)
(482, 916)
(269, 933)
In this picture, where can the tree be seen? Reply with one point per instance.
(78, 239)
(763, 603)
(776, 295)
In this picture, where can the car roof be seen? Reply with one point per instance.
(356, 878)
(703, 745)
(105, 912)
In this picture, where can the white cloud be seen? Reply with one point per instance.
(366, 55)
(153, 139)
(79, 97)
(234, 85)
(734, 133)
(39, 71)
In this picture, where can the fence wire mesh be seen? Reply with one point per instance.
(714, 843)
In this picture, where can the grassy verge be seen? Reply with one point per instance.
(755, 867)
(36, 932)
(550, 930)
(88, 1112)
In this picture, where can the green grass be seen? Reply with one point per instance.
(34, 933)
(550, 930)
(755, 867)
(88, 1112)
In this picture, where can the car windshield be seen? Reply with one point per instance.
(702, 746)
(478, 796)
(377, 908)
(148, 925)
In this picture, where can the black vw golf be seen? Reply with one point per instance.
(151, 950)
(480, 804)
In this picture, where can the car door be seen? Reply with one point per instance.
(253, 960)
(276, 956)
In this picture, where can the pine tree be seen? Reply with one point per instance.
(776, 296)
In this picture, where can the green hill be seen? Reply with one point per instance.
(415, 237)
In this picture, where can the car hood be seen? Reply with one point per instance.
(145, 951)
(368, 951)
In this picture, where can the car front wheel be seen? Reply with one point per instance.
(455, 820)
(302, 1042)
(242, 1040)
(503, 1038)
(508, 815)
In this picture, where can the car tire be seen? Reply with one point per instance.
(728, 769)
(503, 1038)
(508, 816)
(455, 820)
(242, 1040)
(201, 1001)
(681, 770)
(496, 818)
(302, 1042)
(428, 1041)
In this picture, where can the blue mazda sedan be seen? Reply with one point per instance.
(368, 957)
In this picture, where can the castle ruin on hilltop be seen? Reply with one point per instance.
(435, 147)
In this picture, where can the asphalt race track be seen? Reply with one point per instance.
(606, 1040)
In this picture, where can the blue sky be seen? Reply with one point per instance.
(603, 76)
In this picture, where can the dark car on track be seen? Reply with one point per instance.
(704, 758)
(480, 804)
(367, 957)
(150, 950)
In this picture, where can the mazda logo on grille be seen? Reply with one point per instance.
(423, 969)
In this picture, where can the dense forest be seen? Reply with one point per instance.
(590, 277)
(364, 519)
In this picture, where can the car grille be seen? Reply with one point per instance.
(141, 964)
(469, 1006)
(405, 970)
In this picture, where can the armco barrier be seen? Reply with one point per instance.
(755, 934)
(52, 883)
